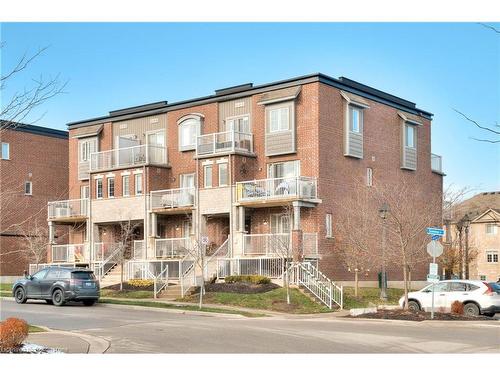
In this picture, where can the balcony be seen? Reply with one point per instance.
(128, 157)
(272, 190)
(278, 244)
(73, 253)
(437, 163)
(172, 199)
(75, 210)
(230, 142)
(172, 247)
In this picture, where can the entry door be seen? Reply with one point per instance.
(280, 223)
(126, 155)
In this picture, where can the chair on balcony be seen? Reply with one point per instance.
(254, 191)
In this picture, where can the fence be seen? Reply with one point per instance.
(300, 187)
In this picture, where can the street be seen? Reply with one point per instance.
(148, 330)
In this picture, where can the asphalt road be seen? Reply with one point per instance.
(148, 330)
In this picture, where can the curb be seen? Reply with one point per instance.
(96, 345)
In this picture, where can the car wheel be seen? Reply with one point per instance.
(20, 295)
(471, 309)
(58, 297)
(89, 302)
(49, 301)
(413, 306)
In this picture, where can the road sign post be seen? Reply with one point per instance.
(434, 249)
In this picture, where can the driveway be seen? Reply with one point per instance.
(148, 330)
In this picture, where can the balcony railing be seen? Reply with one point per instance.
(224, 142)
(172, 198)
(436, 163)
(278, 244)
(102, 250)
(73, 253)
(128, 157)
(172, 247)
(139, 249)
(68, 209)
(299, 187)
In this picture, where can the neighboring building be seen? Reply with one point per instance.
(33, 172)
(475, 223)
(255, 169)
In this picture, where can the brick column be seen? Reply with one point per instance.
(297, 252)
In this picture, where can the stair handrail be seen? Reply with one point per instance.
(207, 262)
(106, 261)
(183, 275)
(163, 277)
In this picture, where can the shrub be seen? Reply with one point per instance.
(13, 332)
(139, 283)
(252, 279)
(457, 307)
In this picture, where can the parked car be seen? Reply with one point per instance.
(478, 297)
(58, 285)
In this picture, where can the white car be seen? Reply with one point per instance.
(478, 297)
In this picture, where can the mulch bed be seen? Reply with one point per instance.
(244, 288)
(416, 316)
(129, 288)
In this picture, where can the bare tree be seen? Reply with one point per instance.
(35, 242)
(124, 245)
(23, 101)
(492, 131)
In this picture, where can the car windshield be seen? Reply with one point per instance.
(83, 275)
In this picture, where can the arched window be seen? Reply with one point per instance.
(189, 129)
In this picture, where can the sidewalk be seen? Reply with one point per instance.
(69, 342)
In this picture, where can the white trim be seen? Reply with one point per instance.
(406, 119)
(219, 174)
(126, 173)
(31, 187)
(207, 162)
(353, 102)
(110, 175)
(137, 171)
(222, 161)
(108, 185)
(97, 176)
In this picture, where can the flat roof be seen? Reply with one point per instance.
(239, 91)
(34, 129)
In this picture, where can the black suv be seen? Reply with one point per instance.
(58, 285)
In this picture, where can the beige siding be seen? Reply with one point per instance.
(139, 127)
(215, 201)
(117, 209)
(282, 142)
(409, 158)
(355, 144)
(234, 108)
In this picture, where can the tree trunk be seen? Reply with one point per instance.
(356, 283)
(409, 278)
(405, 279)
(121, 276)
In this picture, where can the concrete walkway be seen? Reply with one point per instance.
(69, 342)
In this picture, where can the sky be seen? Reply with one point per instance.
(108, 66)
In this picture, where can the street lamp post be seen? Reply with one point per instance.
(466, 221)
(383, 211)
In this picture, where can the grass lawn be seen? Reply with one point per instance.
(5, 287)
(126, 293)
(274, 300)
(369, 295)
(35, 329)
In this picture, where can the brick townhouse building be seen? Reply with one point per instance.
(252, 173)
(33, 172)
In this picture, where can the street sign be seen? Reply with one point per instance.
(433, 269)
(434, 249)
(435, 231)
(432, 278)
(204, 240)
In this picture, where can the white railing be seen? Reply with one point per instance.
(223, 251)
(265, 266)
(140, 269)
(172, 198)
(128, 157)
(72, 253)
(160, 281)
(109, 257)
(187, 277)
(103, 250)
(68, 209)
(139, 249)
(172, 247)
(299, 187)
(436, 163)
(277, 244)
(306, 275)
(309, 244)
(224, 142)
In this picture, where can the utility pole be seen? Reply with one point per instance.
(383, 211)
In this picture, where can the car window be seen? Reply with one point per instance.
(53, 274)
(471, 287)
(85, 275)
(458, 287)
(438, 287)
(40, 274)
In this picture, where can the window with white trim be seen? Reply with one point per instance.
(410, 132)
(223, 174)
(126, 185)
(491, 228)
(98, 188)
(207, 176)
(482, 277)
(369, 177)
(238, 124)
(86, 147)
(111, 187)
(28, 188)
(5, 151)
(189, 130)
(355, 119)
(279, 119)
(138, 184)
(284, 169)
(328, 225)
(492, 256)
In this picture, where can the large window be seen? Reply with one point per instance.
(111, 187)
(492, 256)
(328, 225)
(491, 229)
(5, 151)
(138, 184)
(279, 119)
(238, 124)
(410, 136)
(284, 169)
(28, 188)
(189, 129)
(187, 180)
(207, 176)
(126, 185)
(223, 174)
(98, 188)
(356, 119)
(280, 223)
(156, 138)
(86, 147)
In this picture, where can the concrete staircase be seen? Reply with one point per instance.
(112, 277)
(173, 292)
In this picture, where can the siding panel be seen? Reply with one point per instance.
(139, 127)
(355, 144)
(234, 108)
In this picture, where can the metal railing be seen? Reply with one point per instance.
(128, 157)
(172, 247)
(269, 188)
(268, 244)
(139, 249)
(265, 266)
(436, 163)
(187, 277)
(172, 198)
(223, 251)
(72, 253)
(160, 281)
(103, 250)
(224, 142)
(141, 269)
(306, 275)
(106, 256)
(68, 208)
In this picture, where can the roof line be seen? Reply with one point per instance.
(37, 130)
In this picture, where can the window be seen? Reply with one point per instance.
(86, 147)
(223, 175)
(410, 136)
(279, 119)
(40, 274)
(492, 256)
(328, 225)
(126, 185)
(156, 138)
(280, 223)
(187, 180)
(458, 287)
(482, 278)
(28, 188)
(207, 176)
(355, 119)
(84, 192)
(369, 177)
(98, 188)
(491, 229)
(111, 187)
(57, 274)
(189, 129)
(284, 170)
(238, 124)
(138, 184)
(5, 151)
